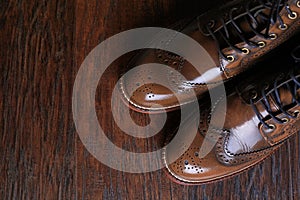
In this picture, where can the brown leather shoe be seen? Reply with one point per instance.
(262, 113)
(234, 35)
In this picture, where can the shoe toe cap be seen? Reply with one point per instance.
(150, 97)
(190, 169)
(150, 86)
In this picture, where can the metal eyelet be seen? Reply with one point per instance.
(273, 36)
(296, 113)
(272, 126)
(245, 51)
(230, 58)
(211, 23)
(293, 15)
(283, 27)
(285, 120)
(298, 4)
(266, 86)
(253, 94)
(270, 129)
(261, 44)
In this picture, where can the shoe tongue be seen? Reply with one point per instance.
(286, 99)
(269, 97)
(246, 24)
(248, 139)
(259, 23)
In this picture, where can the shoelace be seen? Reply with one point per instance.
(292, 84)
(275, 6)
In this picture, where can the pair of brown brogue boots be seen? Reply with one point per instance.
(255, 52)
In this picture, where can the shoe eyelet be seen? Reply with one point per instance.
(261, 44)
(269, 129)
(285, 120)
(272, 126)
(211, 23)
(283, 27)
(230, 58)
(245, 51)
(273, 36)
(296, 113)
(293, 15)
(266, 86)
(253, 94)
(298, 4)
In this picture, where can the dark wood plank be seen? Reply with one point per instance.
(37, 132)
(43, 44)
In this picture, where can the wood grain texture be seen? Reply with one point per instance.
(42, 45)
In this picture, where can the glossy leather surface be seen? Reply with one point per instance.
(243, 140)
(244, 136)
(213, 70)
(190, 169)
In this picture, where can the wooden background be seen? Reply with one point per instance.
(42, 44)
